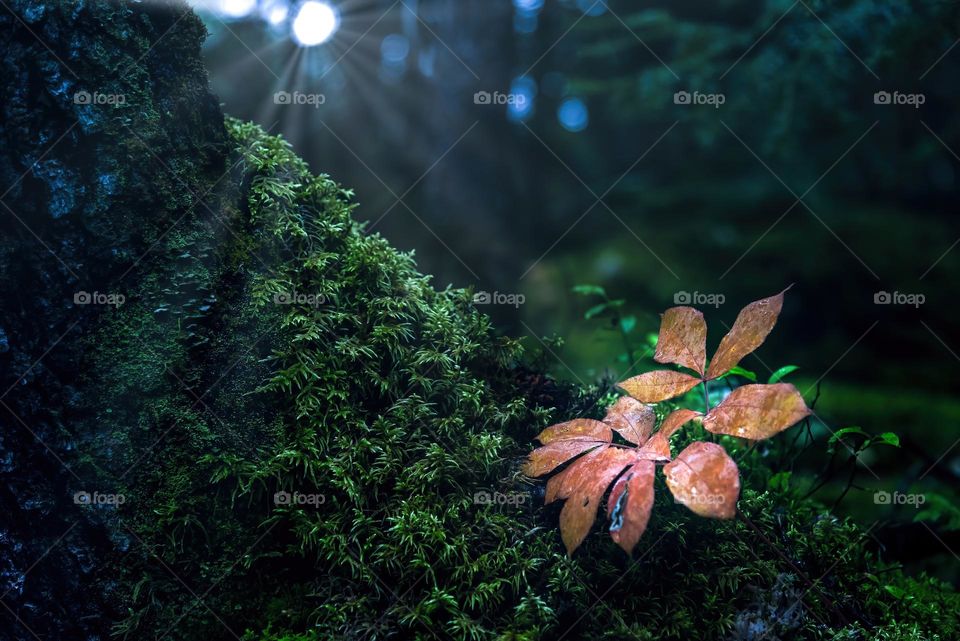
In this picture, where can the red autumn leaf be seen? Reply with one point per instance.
(658, 447)
(683, 338)
(659, 385)
(751, 328)
(631, 419)
(630, 504)
(705, 479)
(581, 429)
(675, 420)
(549, 457)
(564, 483)
(757, 411)
(580, 510)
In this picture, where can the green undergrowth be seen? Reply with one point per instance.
(297, 354)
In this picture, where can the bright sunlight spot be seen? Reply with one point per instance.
(315, 23)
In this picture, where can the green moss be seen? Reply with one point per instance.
(397, 403)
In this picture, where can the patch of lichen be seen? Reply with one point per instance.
(397, 403)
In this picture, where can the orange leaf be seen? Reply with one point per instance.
(580, 510)
(705, 479)
(549, 457)
(581, 429)
(757, 411)
(631, 419)
(630, 503)
(752, 326)
(683, 338)
(564, 483)
(657, 386)
(658, 447)
(675, 420)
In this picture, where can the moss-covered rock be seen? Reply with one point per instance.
(90, 189)
(301, 425)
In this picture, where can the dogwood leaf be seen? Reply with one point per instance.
(631, 419)
(705, 479)
(547, 458)
(658, 447)
(592, 478)
(751, 328)
(675, 420)
(683, 339)
(658, 385)
(581, 429)
(630, 504)
(757, 411)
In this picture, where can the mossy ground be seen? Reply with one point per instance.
(398, 403)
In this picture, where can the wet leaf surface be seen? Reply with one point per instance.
(683, 339)
(757, 411)
(659, 385)
(578, 429)
(705, 479)
(630, 505)
(753, 324)
(631, 419)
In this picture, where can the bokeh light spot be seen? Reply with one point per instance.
(237, 8)
(573, 115)
(275, 11)
(315, 23)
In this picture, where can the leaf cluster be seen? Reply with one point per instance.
(702, 477)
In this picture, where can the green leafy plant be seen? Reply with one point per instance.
(611, 310)
(703, 477)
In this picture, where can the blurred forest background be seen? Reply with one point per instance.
(595, 170)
